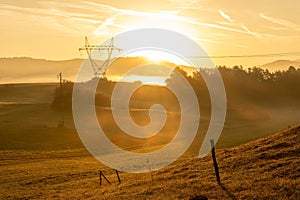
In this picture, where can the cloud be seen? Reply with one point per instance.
(207, 40)
(251, 32)
(173, 16)
(276, 28)
(157, 15)
(220, 42)
(232, 23)
(101, 18)
(225, 16)
(53, 16)
(107, 22)
(186, 2)
(216, 26)
(282, 22)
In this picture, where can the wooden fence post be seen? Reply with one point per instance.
(118, 176)
(100, 177)
(212, 143)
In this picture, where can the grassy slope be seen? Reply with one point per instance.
(268, 168)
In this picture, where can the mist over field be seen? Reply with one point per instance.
(32, 70)
(258, 103)
(37, 154)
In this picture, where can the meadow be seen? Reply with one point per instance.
(264, 169)
(41, 160)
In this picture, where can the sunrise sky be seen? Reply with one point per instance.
(56, 29)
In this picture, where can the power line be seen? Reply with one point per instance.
(252, 56)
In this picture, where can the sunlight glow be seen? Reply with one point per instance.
(158, 56)
(145, 80)
(148, 80)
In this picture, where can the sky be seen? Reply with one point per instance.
(55, 30)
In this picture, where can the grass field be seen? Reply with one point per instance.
(268, 168)
(38, 160)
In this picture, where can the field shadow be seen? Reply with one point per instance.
(230, 195)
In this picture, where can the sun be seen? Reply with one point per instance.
(158, 56)
(153, 56)
(157, 75)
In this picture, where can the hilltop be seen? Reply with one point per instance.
(32, 70)
(281, 64)
(24, 69)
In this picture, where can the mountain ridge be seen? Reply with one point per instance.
(281, 64)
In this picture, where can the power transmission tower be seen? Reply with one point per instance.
(99, 70)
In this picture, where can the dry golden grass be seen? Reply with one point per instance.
(268, 168)
(40, 161)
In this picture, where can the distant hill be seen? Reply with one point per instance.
(26, 69)
(298, 60)
(281, 64)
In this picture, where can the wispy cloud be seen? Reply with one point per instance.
(103, 16)
(231, 22)
(220, 42)
(250, 32)
(48, 12)
(277, 28)
(53, 17)
(186, 2)
(207, 40)
(225, 16)
(173, 16)
(282, 22)
(107, 22)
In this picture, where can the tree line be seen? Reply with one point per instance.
(243, 86)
